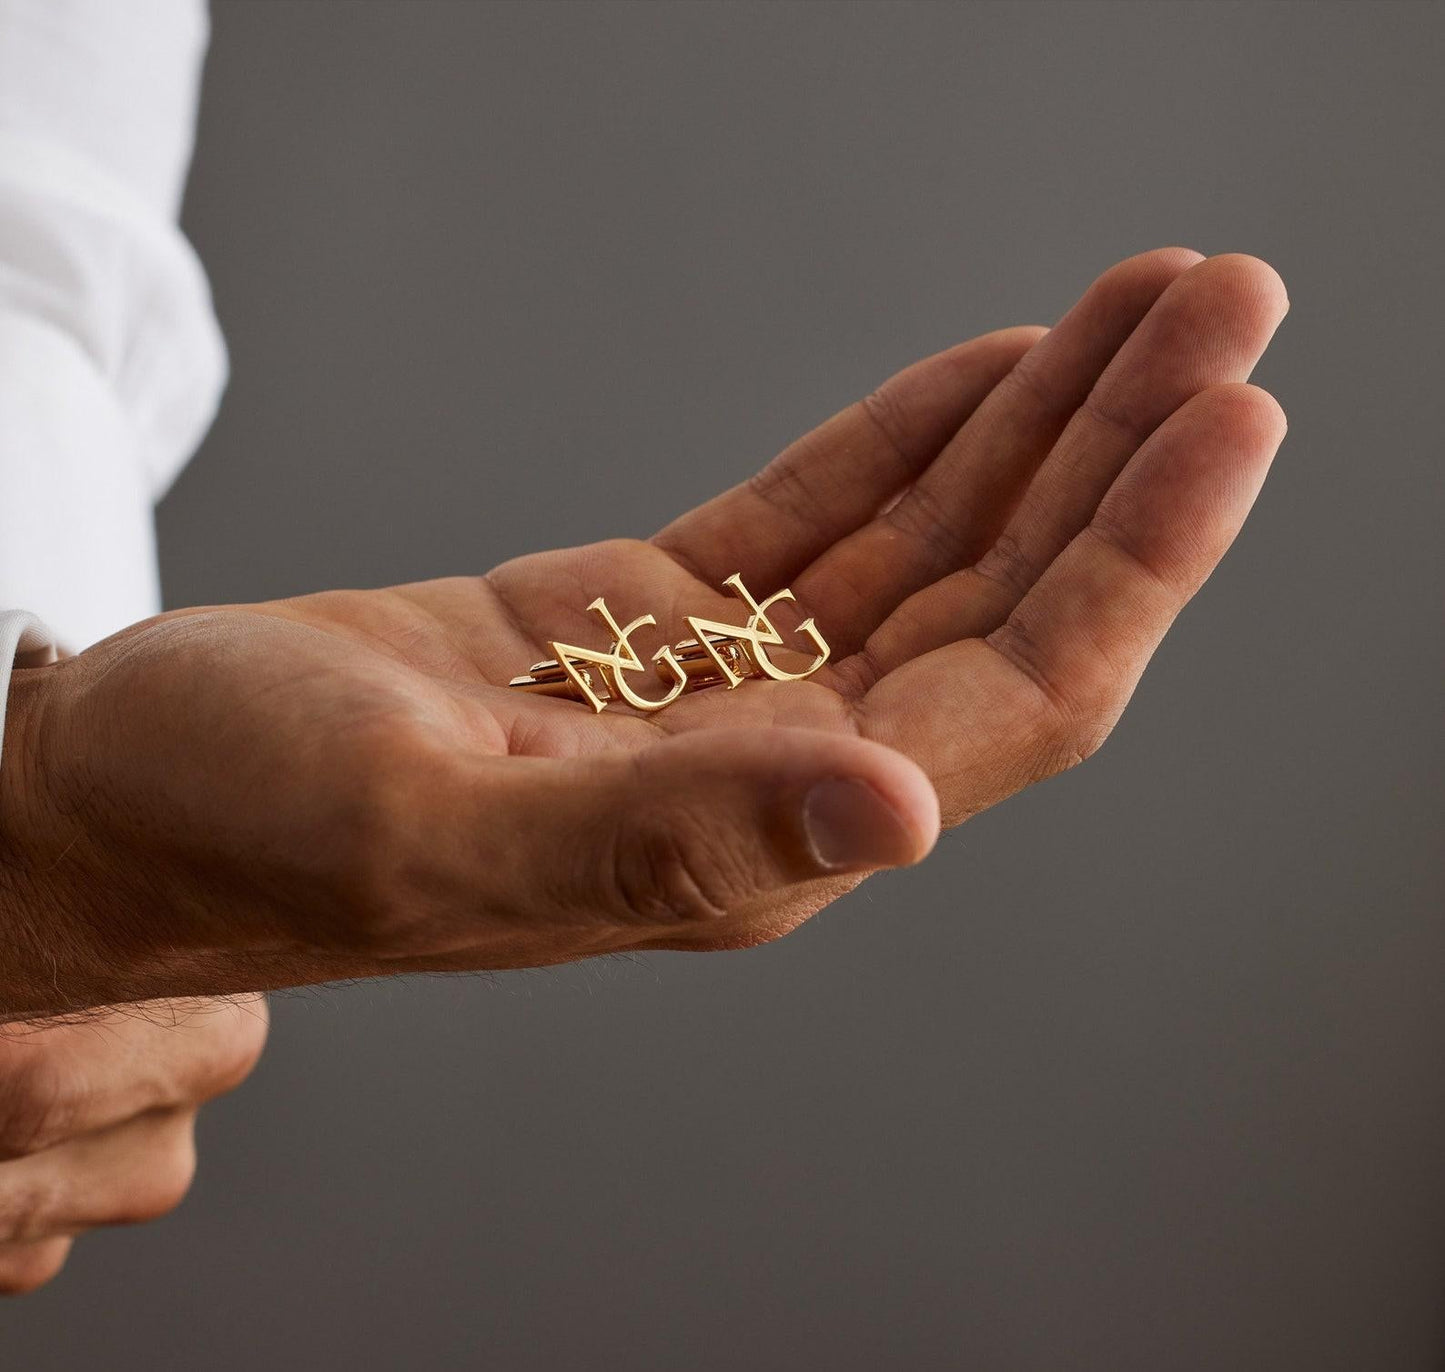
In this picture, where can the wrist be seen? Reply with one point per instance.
(51, 957)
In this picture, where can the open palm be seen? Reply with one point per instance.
(993, 544)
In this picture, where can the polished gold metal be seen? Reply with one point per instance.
(719, 655)
(739, 652)
(585, 674)
(701, 666)
(548, 679)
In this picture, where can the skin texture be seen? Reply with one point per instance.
(340, 785)
(97, 1120)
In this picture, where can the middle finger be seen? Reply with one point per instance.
(956, 507)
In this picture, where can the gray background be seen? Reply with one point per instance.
(1144, 1069)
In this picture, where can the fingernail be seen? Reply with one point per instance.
(850, 827)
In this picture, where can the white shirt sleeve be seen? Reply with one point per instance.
(111, 361)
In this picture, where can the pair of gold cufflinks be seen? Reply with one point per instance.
(718, 654)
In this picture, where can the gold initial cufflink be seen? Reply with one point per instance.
(718, 654)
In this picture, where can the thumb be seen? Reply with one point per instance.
(698, 826)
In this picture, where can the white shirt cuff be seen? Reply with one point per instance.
(77, 542)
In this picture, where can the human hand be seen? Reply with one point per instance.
(342, 785)
(97, 1120)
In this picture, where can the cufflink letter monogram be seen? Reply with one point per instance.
(719, 654)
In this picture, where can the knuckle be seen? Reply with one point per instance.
(27, 1267)
(1015, 642)
(883, 408)
(27, 1207)
(1110, 407)
(1027, 382)
(1076, 742)
(1082, 729)
(782, 485)
(673, 868)
(1008, 565)
(238, 1048)
(923, 516)
(36, 1103)
(1071, 725)
(166, 1183)
(246, 1046)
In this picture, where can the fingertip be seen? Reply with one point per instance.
(906, 788)
(1189, 489)
(899, 782)
(1264, 276)
(860, 805)
(1019, 338)
(1173, 256)
(1247, 417)
(1269, 415)
(1131, 286)
(26, 1267)
(997, 351)
(855, 824)
(1157, 264)
(1247, 283)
